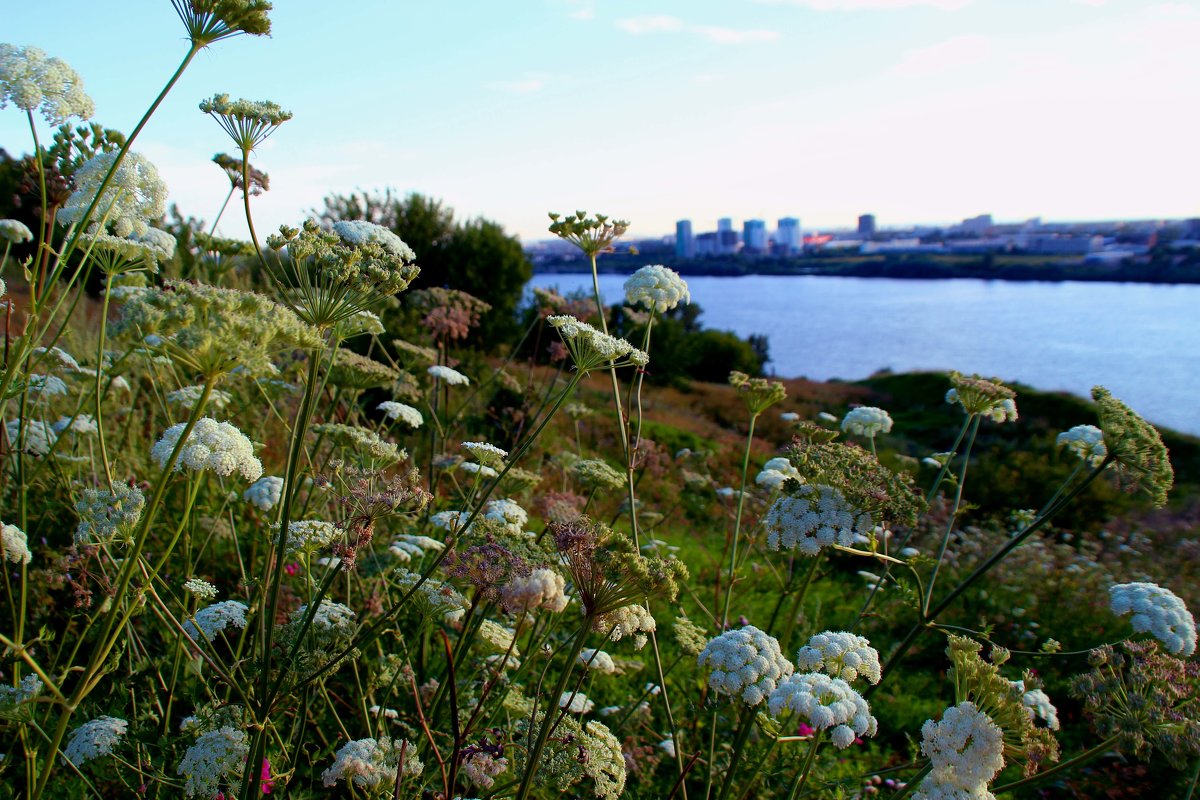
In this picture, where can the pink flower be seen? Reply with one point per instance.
(805, 729)
(291, 569)
(268, 783)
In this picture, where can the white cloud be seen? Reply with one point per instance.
(732, 35)
(951, 54)
(658, 23)
(663, 23)
(532, 82)
(871, 5)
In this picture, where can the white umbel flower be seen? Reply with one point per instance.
(217, 446)
(33, 81)
(399, 411)
(542, 588)
(867, 421)
(745, 663)
(627, 622)
(308, 535)
(966, 747)
(656, 287)
(359, 232)
(265, 493)
(39, 435)
(216, 759)
(372, 765)
(1085, 441)
(406, 547)
(15, 544)
(15, 231)
(330, 617)
(201, 588)
(812, 518)
(508, 513)
(188, 396)
(451, 377)
(575, 703)
(841, 654)
(598, 660)
(1157, 611)
(775, 472)
(83, 424)
(481, 768)
(1038, 706)
(826, 704)
(94, 738)
(486, 453)
(213, 619)
(135, 195)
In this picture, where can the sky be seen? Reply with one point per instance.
(919, 111)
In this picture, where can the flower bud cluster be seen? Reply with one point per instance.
(967, 751)
(656, 287)
(745, 662)
(813, 518)
(867, 421)
(826, 704)
(1158, 611)
(843, 655)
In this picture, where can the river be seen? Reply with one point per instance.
(1142, 341)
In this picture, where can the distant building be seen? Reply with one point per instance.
(706, 245)
(754, 235)
(866, 225)
(977, 226)
(787, 236)
(727, 243)
(685, 242)
(1191, 229)
(724, 224)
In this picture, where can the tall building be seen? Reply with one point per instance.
(724, 224)
(977, 226)
(787, 236)
(685, 242)
(754, 236)
(866, 225)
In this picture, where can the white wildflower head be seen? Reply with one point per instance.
(212, 445)
(812, 518)
(188, 396)
(14, 231)
(605, 763)
(596, 474)
(15, 545)
(310, 535)
(575, 703)
(745, 663)
(1038, 706)
(200, 588)
(1085, 441)
(486, 454)
(631, 621)
(213, 619)
(482, 470)
(28, 689)
(451, 377)
(358, 232)
(481, 767)
(1157, 611)
(372, 765)
(433, 597)
(826, 704)
(135, 195)
(789, 416)
(216, 759)
(843, 655)
(42, 387)
(330, 618)
(404, 413)
(966, 748)
(35, 436)
(598, 660)
(83, 424)
(33, 81)
(508, 513)
(94, 738)
(406, 547)
(867, 421)
(592, 349)
(656, 287)
(775, 472)
(542, 588)
(449, 520)
(265, 493)
(105, 515)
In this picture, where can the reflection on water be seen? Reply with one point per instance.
(1142, 341)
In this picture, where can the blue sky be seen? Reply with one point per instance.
(655, 110)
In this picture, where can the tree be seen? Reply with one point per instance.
(475, 256)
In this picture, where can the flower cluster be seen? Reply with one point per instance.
(541, 588)
(404, 413)
(745, 662)
(1037, 704)
(265, 493)
(658, 288)
(373, 765)
(758, 394)
(368, 445)
(14, 231)
(867, 421)
(1141, 459)
(776, 471)
(209, 21)
(626, 622)
(977, 395)
(200, 588)
(217, 758)
(1085, 441)
(826, 704)
(843, 655)
(487, 454)
(134, 197)
(14, 546)
(105, 514)
(94, 738)
(1158, 611)
(213, 619)
(967, 751)
(592, 349)
(211, 445)
(595, 474)
(813, 518)
(451, 377)
(592, 235)
(33, 436)
(248, 122)
(350, 370)
(32, 81)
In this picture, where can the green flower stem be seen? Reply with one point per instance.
(107, 640)
(962, 480)
(789, 624)
(802, 775)
(931, 616)
(45, 232)
(912, 783)
(531, 761)
(1082, 758)
(99, 377)
(737, 524)
(745, 726)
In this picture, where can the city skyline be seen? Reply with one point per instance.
(920, 110)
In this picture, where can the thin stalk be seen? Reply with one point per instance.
(912, 783)
(958, 494)
(737, 524)
(739, 746)
(1061, 766)
(802, 775)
